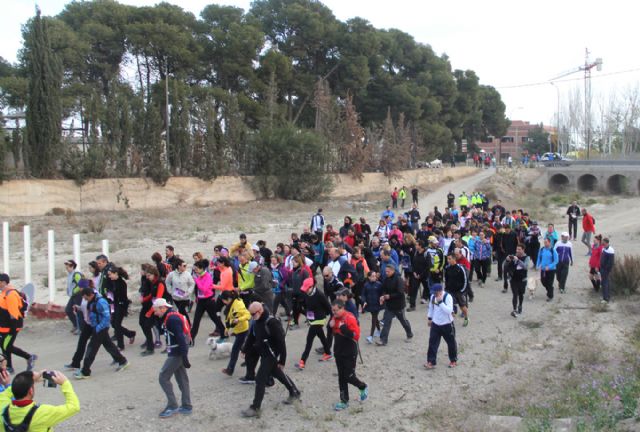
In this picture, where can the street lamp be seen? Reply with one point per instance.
(557, 121)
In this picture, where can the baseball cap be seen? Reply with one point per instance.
(307, 284)
(437, 287)
(71, 263)
(432, 239)
(160, 302)
(565, 234)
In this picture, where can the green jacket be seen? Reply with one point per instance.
(246, 279)
(46, 416)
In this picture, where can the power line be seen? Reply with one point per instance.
(544, 83)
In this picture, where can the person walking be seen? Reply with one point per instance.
(318, 310)
(74, 293)
(565, 259)
(237, 324)
(594, 262)
(121, 302)
(414, 195)
(547, 262)
(394, 198)
(12, 310)
(370, 299)
(573, 212)
(607, 261)
(393, 299)
(455, 278)
(402, 195)
(85, 329)
(205, 299)
(345, 348)
(440, 317)
(520, 265)
(266, 338)
(317, 223)
(588, 229)
(99, 319)
(482, 257)
(177, 362)
(181, 285)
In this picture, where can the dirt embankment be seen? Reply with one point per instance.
(37, 197)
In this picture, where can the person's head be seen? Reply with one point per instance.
(598, 239)
(338, 308)
(334, 254)
(298, 261)
(254, 267)
(201, 266)
(420, 246)
(574, 202)
(244, 258)
(156, 257)
(547, 243)
(227, 297)
(375, 242)
(520, 250)
(343, 294)
(70, 265)
(308, 286)
(169, 251)
(550, 228)
(23, 386)
(224, 262)
(4, 280)
(390, 270)
(93, 268)
(197, 256)
(482, 235)
(327, 274)
(181, 266)
(348, 220)
(372, 276)
(584, 211)
(114, 273)
(564, 237)
(160, 307)
(88, 293)
(451, 259)
(243, 238)
(605, 242)
(152, 273)
(256, 310)
(101, 261)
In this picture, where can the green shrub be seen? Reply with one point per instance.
(289, 164)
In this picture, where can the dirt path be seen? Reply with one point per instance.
(498, 354)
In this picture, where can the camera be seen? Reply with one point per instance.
(47, 376)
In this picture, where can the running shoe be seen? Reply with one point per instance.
(370, 339)
(132, 339)
(319, 350)
(364, 394)
(122, 366)
(79, 375)
(292, 398)
(185, 411)
(250, 413)
(325, 358)
(465, 322)
(70, 367)
(31, 363)
(246, 380)
(514, 314)
(158, 344)
(429, 365)
(453, 364)
(341, 406)
(146, 353)
(168, 412)
(300, 365)
(227, 372)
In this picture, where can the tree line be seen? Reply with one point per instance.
(117, 90)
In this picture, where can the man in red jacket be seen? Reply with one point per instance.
(346, 333)
(588, 228)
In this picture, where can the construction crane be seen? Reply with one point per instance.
(586, 68)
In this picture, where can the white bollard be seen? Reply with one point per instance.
(76, 250)
(5, 247)
(52, 266)
(105, 248)
(27, 254)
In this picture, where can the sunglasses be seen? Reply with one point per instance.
(255, 313)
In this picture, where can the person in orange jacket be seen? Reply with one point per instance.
(12, 308)
(345, 351)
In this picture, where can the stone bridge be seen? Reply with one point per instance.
(599, 176)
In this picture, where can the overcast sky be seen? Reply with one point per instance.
(507, 43)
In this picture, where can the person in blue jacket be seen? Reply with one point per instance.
(100, 321)
(370, 298)
(552, 235)
(547, 262)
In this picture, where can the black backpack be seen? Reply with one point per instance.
(22, 427)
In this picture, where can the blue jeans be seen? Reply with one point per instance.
(235, 350)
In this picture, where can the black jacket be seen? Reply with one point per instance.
(317, 304)
(455, 277)
(420, 265)
(394, 287)
(266, 335)
(509, 243)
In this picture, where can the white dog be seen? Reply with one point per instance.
(218, 350)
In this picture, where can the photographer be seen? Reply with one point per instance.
(17, 406)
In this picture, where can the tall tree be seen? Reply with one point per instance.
(44, 108)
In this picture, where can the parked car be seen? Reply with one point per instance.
(436, 163)
(549, 156)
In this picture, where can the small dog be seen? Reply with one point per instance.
(531, 285)
(218, 350)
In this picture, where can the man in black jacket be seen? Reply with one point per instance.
(574, 213)
(393, 299)
(266, 336)
(455, 277)
(419, 275)
(508, 245)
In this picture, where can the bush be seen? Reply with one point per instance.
(289, 164)
(96, 224)
(625, 277)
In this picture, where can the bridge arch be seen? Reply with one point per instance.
(558, 182)
(618, 184)
(587, 183)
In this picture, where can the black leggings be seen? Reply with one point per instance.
(547, 277)
(183, 306)
(518, 288)
(119, 312)
(347, 375)
(282, 299)
(375, 322)
(8, 348)
(482, 268)
(315, 330)
(146, 324)
(203, 305)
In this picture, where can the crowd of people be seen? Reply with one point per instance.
(325, 279)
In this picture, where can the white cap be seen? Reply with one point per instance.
(160, 302)
(565, 234)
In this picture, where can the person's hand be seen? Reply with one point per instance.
(387, 296)
(364, 306)
(75, 308)
(5, 377)
(546, 268)
(37, 376)
(58, 377)
(429, 324)
(235, 321)
(226, 332)
(381, 299)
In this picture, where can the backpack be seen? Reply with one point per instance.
(186, 327)
(24, 307)
(167, 268)
(21, 427)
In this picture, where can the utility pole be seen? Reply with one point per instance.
(166, 113)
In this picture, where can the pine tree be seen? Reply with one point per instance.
(355, 152)
(44, 106)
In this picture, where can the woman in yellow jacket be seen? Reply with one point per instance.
(237, 323)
